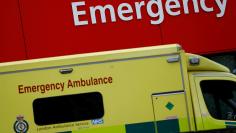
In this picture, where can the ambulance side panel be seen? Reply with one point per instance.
(126, 90)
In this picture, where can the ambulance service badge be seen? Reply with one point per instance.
(21, 126)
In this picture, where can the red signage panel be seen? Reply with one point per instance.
(50, 30)
(11, 38)
(45, 28)
(204, 32)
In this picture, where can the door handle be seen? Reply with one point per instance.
(66, 70)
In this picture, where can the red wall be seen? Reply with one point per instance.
(45, 28)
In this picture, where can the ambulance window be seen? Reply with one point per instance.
(69, 108)
(220, 98)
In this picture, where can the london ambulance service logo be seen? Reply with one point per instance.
(21, 126)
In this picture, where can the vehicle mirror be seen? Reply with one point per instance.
(234, 71)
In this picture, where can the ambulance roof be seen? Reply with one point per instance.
(71, 60)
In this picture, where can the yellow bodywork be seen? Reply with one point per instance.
(138, 76)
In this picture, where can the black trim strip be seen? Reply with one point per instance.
(164, 93)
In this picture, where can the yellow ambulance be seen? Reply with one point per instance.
(159, 89)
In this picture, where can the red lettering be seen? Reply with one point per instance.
(20, 88)
(110, 79)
